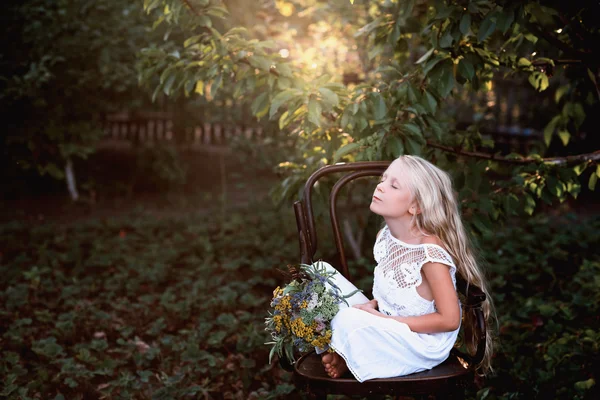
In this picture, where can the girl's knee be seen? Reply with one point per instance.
(347, 316)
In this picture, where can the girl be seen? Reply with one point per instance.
(413, 321)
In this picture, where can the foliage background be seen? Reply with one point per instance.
(173, 307)
(155, 284)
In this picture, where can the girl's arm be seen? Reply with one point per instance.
(447, 317)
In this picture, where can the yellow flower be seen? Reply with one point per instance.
(277, 292)
(284, 304)
(278, 319)
(322, 341)
(304, 304)
(301, 330)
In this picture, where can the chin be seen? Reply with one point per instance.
(373, 208)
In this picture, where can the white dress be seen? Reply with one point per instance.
(376, 347)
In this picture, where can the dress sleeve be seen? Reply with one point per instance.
(379, 248)
(435, 253)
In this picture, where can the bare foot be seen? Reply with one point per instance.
(334, 364)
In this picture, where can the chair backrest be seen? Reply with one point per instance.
(307, 236)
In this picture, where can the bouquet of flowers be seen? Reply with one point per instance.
(303, 310)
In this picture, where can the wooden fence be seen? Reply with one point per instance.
(161, 127)
(509, 114)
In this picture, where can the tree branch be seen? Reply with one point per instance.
(562, 161)
(557, 42)
(192, 9)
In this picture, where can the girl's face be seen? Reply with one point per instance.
(392, 197)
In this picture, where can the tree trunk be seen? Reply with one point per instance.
(70, 177)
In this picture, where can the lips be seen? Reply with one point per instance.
(376, 198)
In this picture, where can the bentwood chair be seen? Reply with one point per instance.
(448, 380)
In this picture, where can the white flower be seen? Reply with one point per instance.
(313, 302)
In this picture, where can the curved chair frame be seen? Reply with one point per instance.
(444, 380)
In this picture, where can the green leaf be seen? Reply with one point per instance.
(411, 91)
(446, 39)
(431, 102)
(284, 70)
(395, 146)
(375, 51)
(592, 76)
(564, 135)
(280, 99)
(434, 61)
(523, 62)
(442, 78)
(465, 24)
(413, 147)
(550, 128)
(411, 128)
(505, 20)
(544, 82)
(560, 92)
(395, 35)
(585, 385)
(216, 85)
(260, 103)
(346, 115)
(379, 106)
(330, 98)
(539, 80)
(592, 181)
(486, 28)
(578, 169)
(365, 30)
(553, 186)
(216, 11)
(529, 203)
(314, 112)
(435, 127)
(261, 62)
(344, 150)
(205, 21)
(425, 56)
(169, 84)
(531, 37)
(466, 69)
(192, 40)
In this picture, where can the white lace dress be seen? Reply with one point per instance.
(376, 347)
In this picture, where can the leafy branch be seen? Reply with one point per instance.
(560, 161)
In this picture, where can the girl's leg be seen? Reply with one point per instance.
(334, 364)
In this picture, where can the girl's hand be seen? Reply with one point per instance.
(371, 305)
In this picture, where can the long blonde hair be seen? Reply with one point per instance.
(432, 190)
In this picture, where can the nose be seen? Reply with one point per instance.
(379, 187)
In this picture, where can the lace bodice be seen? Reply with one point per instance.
(398, 274)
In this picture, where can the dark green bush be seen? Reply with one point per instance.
(140, 308)
(546, 285)
(174, 307)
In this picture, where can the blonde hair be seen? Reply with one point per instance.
(432, 190)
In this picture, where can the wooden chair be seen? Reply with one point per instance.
(447, 380)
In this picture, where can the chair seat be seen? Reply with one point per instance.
(309, 372)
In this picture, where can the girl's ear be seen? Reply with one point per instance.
(414, 209)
